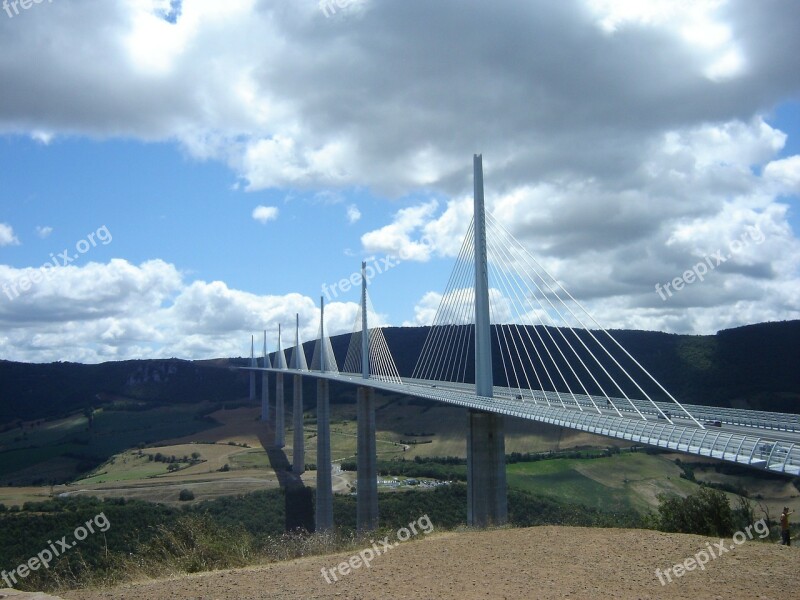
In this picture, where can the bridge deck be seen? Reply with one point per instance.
(737, 441)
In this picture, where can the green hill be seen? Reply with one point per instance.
(756, 367)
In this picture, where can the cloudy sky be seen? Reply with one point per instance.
(202, 170)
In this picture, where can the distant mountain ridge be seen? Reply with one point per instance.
(754, 366)
(35, 391)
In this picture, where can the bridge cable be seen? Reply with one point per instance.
(589, 315)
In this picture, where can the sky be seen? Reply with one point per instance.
(197, 171)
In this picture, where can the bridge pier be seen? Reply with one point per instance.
(298, 441)
(367, 490)
(280, 425)
(264, 396)
(324, 508)
(252, 373)
(265, 383)
(487, 503)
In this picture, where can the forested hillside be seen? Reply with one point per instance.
(756, 366)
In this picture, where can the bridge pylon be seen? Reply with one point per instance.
(367, 474)
(298, 439)
(252, 364)
(280, 415)
(265, 383)
(324, 498)
(487, 502)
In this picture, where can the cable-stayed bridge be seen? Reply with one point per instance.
(508, 340)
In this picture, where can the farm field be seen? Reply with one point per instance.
(228, 455)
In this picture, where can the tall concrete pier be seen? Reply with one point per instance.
(298, 439)
(487, 502)
(253, 365)
(265, 383)
(367, 482)
(324, 505)
(280, 417)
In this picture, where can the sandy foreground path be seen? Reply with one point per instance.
(540, 562)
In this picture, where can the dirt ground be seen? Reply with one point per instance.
(540, 562)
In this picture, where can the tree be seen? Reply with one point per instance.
(706, 512)
(186, 495)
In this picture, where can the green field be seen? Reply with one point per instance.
(619, 482)
(251, 459)
(39, 453)
(126, 467)
(27, 452)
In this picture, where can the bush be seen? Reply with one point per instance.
(706, 512)
(186, 495)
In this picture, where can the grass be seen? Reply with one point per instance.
(36, 445)
(25, 458)
(126, 467)
(250, 459)
(623, 481)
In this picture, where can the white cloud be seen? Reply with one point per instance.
(697, 191)
(395, 238)
(617, 159)
(43, 137)
(457, 307)
(7, 237)
(43, 231)
(785, 173)
(353, 214)
(118, 310)
(234, 83)
(425, 310)
(264, 214)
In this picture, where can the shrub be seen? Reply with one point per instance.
(706, 512)
(186, 495)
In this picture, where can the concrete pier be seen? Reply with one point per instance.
(264, 396)
(367, 490)
(298, 439)
(324, 508)
(280, 418)
(252, 365)
(486, 470)
(265, 382)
